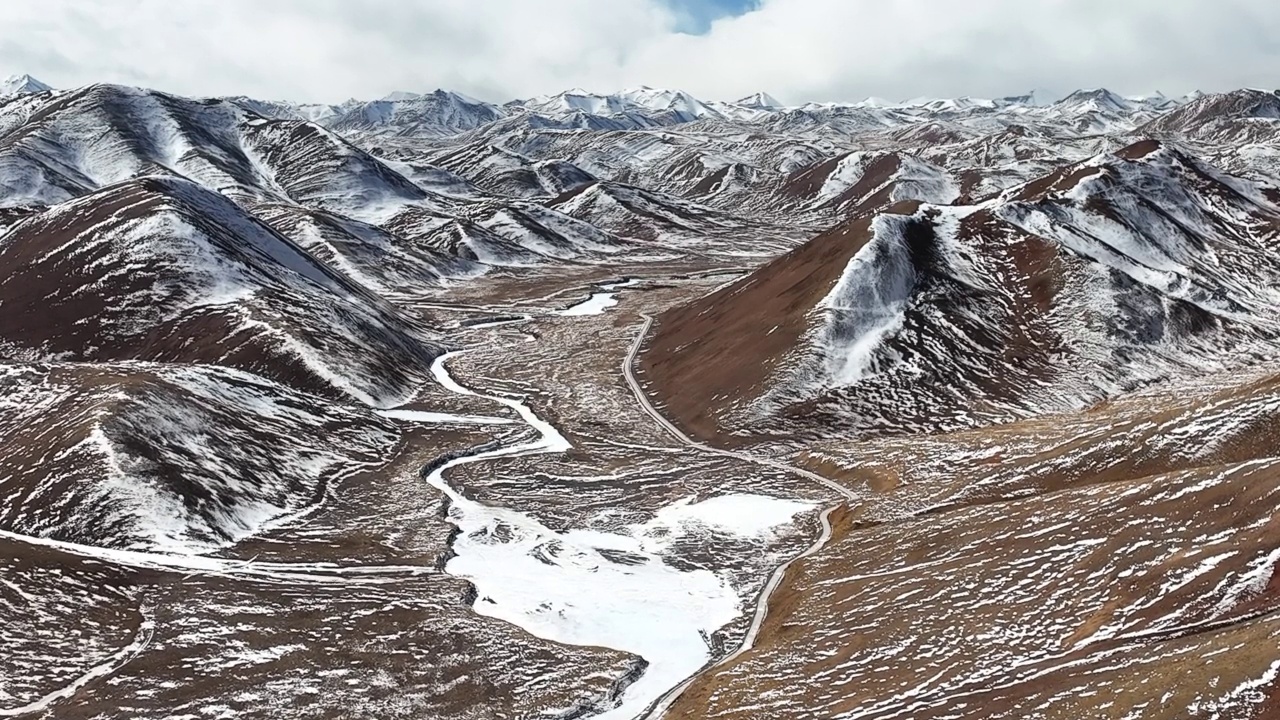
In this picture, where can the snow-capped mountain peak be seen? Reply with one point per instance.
(1154, 101)
(574, 100)
(18, 84)
(441, 112)
(1099, 100)
(400, 96)
(760, 100)
(660, 100)
(682, 106)
(959, 104)
(453, 95)
(876, 102)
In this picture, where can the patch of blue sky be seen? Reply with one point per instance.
(696, 16)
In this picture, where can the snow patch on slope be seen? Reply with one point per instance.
(867, 302)
(173, 459)
(914, 179)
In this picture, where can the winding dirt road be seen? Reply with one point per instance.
(660, 707)
(628, 371)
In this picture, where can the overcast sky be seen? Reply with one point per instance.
(798, 50)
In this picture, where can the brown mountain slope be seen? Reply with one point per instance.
(172, 457)
(1085, 565)
(1097, 279)
(713, 352)
(160, 269)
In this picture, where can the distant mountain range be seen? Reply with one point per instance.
(444, 112)
(952, 325)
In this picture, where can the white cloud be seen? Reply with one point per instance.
(498, 49)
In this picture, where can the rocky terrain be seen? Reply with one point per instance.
(638, 405)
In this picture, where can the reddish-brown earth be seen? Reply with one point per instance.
(709, 353)
(1020, 394)
(1114, 560)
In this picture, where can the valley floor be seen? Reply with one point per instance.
(550, 551)
(959, 409)
(559, 549)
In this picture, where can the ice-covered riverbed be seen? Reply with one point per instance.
(599, 301)
(438, 418)
(559, 586)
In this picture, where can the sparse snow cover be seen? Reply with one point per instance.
(43, 705)
(658, 220)
(1165, 235)
(1157, 254)
(191, 252)
(1249, 694)
(914, 179)
(245, 444)
(548, 233)
(1150, 242)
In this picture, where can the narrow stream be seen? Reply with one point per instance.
(558, 586)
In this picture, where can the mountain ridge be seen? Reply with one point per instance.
(622, 403)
